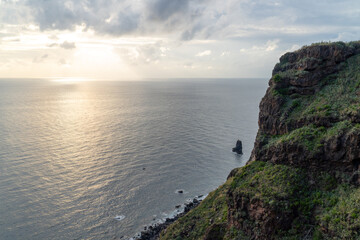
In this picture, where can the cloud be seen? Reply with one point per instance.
(204, 53)
(265, 48)
(191, 32)
(187, 19)
(189, 65)
(143, 54)
(40, 59)
(143, 33)
(111, 17)
(63, 62)
(53, 45)
(293, 48)
(67, 45)
(271, 45)
(161, 10)
(182, 17)
(347, 36)
(53, 37)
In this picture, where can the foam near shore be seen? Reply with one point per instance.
(153, 230)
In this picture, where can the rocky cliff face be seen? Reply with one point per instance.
(302, 179)
(310, 114)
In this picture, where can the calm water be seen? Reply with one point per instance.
(74, 156)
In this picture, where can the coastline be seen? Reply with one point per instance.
(152, 231)
(302, 180)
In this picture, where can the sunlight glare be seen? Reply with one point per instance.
(71, 80)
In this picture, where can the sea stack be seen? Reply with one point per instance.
(238, 147)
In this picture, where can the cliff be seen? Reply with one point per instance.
(302, 179)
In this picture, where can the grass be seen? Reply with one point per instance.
(308, 136)
(280, 92)
(325, 204)
(339, 97)
(341, 219)
(213, 210)
(277, 78)
(327, 43)
(266, 181)
(290, 73)
(321, 206)
(338, 100)
(312, 137)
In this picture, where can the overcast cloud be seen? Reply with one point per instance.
(255, 32)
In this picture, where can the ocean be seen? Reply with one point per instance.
(76, 155)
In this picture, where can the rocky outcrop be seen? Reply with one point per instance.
(302, 72)
(238, 147)
(302, 179)
(153, 231)
(340, 153)
(301, 78)
(257, 216)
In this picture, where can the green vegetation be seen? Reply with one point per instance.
(213, 210)
(308, 136)
(266, 181)
(338, 98)
(312, 137)
(288, 74)
(342, 218)
(295, 103)
(277, 78)
(314, 202)
(280, 91)
(263, 200)
(328, 43)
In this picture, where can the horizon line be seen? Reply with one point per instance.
(127, 79)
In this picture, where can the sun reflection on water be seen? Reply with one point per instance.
(71, 79)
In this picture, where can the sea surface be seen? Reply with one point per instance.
(75, 155)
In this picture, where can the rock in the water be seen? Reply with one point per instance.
(238, 148)
(120, 217)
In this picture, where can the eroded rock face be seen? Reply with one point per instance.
(302, 75)
(300, 72)
(256, 218)
(340, 153)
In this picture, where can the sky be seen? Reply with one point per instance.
(136, 39)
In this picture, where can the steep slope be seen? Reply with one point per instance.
(310, 115)
(301, 181)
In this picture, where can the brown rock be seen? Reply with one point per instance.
(215, 232)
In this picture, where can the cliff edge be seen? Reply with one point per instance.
(302, 179)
